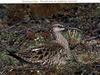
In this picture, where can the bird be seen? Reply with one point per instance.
(56, 52)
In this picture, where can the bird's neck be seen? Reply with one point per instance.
(61, 40)
(58, 36)
(64, 43)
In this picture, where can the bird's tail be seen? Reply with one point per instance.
(17, 57)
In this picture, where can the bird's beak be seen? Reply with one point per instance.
(65, 28)
(62, 28)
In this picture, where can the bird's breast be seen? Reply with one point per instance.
(61, 40)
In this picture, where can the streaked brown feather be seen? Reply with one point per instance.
(40, 54)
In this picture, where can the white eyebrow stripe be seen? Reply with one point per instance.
(58, 24)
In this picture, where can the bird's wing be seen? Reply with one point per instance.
(39, 54)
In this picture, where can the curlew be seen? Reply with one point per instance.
(57, 52)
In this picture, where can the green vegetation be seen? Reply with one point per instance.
(7, 59)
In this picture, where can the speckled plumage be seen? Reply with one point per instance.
(52, 53)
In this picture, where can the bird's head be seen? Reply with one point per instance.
(58, 27)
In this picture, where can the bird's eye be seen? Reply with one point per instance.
(60, 26)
